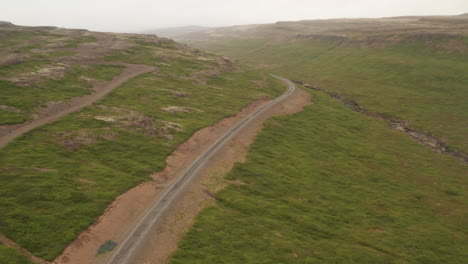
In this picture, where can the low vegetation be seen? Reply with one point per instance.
(412, 69)
(73, 43)
(328, 185)
(108, 246)
(57, 179)
(9, 255)
(42, 65)
(39, 89)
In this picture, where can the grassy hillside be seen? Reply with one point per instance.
(57, 179)
(40, 65)
(328, 185)
(20, 101)
(411, 68)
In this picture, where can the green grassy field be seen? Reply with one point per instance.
(411, 73)
(56, 180)
(10, 256)
(328, 185)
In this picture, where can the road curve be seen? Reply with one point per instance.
(131, 70)
(123, 254)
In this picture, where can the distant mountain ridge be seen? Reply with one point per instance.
(189, 34)
(5, 24)
(175, 32)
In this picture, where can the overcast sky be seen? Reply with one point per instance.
(140, 15)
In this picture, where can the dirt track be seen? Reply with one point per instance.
(164, 239)
(121, 215)
(8, 133)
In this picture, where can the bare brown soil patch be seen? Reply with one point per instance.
(39, 74)
(77, 141)
(11, 109)
(134, 121)
(176, 109)
(45, 169)
(85, 180)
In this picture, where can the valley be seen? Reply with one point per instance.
(368, 172)
(137, 148)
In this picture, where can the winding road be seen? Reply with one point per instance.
(124, 253)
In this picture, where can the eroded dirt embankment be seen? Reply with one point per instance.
(123, 213)
(421, 137)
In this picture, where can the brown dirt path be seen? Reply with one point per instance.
(163, 242)
(8, 133)
(127, 209)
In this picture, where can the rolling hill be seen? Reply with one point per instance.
(150, 94)
(410, 69)
(374, 171)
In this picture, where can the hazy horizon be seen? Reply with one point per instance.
(141, 15)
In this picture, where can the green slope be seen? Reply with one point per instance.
(58, 179)
(328, 185)
(410, 69)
